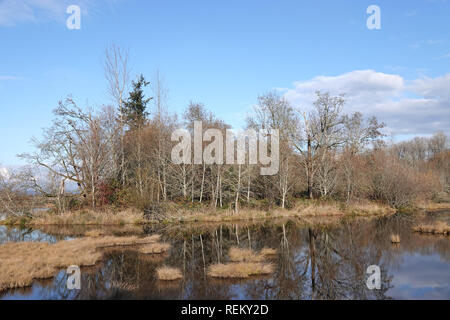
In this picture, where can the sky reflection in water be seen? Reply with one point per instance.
(312, 263)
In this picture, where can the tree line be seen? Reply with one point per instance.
(120, 155)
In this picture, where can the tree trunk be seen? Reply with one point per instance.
(236, 202)
(203, 183)
(309, 169)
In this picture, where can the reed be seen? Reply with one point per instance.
(395, 238)
(23, 262)
(436, 228)
(154, 248)
(239, 270)
(166, 273)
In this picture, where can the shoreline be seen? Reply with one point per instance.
(181, 215)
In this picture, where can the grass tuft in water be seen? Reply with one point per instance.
(166, 273)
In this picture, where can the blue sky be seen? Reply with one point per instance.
(226, 53)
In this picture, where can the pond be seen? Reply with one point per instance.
(28, 234)
(314, 260)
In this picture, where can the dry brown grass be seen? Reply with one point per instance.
(214, 215)
(336, 208)
(168, 273)
(370, 208)
(395, 238)
(431, 206)
(245, 263)
(89, 217)
(436, 228)
(153, 258)
(154, 248)
(313, 208)
(268, 252)
(239, 270)
(320, 210)
(111, 241)
(94, 233)
(22, 262)
(305, 209)
(244, 255)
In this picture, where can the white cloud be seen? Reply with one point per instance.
(13, 12)
(433, 87)
(420, 106)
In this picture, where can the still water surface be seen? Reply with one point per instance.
(325, 261)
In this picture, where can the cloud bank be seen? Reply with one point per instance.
(415, 107)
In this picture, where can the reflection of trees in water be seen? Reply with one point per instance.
(313, 262)
(343, 256)
(321, 264)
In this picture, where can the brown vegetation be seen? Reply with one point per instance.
(244, 255)
(94, 233)
(168, 273)
(430, 206)
(436, 228)
(245, 263)
(247, 255)
(129, 217)
(22, 262)
(121, 157)
(395, 238)
(89, 217)
(268, 252)
(304, 208)
(154, 248)
(239, 270)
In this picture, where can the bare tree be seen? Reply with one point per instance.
(321, 132)
(358, 133)
(275, 112)
(16, 198)
(76, 148)
(438, 143)
(117, 74)
(160, 94)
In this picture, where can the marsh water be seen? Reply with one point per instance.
(315, 260)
